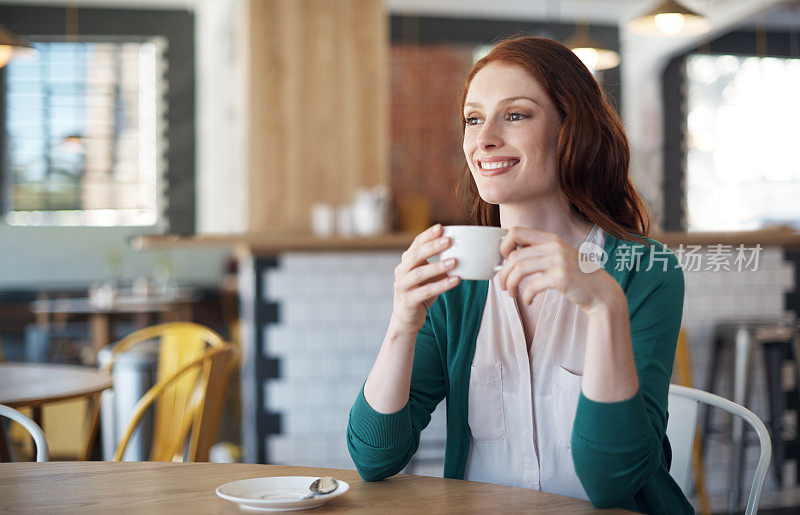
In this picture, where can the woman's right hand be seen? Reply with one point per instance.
(418, 283)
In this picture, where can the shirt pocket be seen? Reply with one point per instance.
(566, 390)
(485, 406)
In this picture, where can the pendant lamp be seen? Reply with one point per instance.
(8, 43)
(670, 18)
(593, 54)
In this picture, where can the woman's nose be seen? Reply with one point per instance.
(489, 135)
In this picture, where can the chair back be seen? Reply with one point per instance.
(193, 361)
(681, 433)
(683, 404)
(42, 450)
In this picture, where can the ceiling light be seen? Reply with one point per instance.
(670, 18)
(9, 42)
(593, 54)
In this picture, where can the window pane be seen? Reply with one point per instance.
(741, 137)
(83, 134)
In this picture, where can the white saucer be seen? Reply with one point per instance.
(280, 493)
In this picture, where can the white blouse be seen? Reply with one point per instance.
(521, 406)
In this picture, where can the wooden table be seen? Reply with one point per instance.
(135, 487)
(169, 308)
(34, 384)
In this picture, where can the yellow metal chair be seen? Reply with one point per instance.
(193, 368)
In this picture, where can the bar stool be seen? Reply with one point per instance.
(778, 338)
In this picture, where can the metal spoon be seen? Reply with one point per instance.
(321, 486)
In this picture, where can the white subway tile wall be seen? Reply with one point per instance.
(334, 309)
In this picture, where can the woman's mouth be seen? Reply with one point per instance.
(496, 167)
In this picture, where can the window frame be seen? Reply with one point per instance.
(177, 27)
(742, 43)
(159, 140)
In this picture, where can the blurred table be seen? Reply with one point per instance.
(143, 308)
(136, 487)
(34, 384)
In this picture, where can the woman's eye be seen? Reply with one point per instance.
(472, 120)
(515, 117)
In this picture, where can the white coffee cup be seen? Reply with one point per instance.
(323, 220)
(476, 249)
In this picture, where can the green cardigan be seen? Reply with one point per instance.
(620, 451)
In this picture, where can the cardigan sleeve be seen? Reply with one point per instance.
(619, 449)
(382, 444)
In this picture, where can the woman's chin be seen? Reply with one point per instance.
(495, 197)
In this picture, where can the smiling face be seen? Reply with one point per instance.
(511, 136)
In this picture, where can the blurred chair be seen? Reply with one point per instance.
(42, 451)
(194, 364)
(683, 377)
(775, 339)
(683, 405)
(231, 319)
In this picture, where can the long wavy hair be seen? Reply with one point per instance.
(593, 152)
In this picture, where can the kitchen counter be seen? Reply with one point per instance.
(266, 244)
(277, 243)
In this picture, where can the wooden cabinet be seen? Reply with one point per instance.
(318, 106)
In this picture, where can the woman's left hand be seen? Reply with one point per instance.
(550, 262)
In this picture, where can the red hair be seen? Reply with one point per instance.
(593, 153)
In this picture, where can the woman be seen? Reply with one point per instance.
(555, 379)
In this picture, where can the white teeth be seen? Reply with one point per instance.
(499, 164)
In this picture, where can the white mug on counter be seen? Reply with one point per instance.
(344, 220)
(365, 216)
(476, 249)
(323, 220)
(369, 211)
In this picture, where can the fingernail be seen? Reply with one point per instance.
(453, 279)
(442, 242)
(450, 262)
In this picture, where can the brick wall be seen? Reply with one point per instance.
(426, 155)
